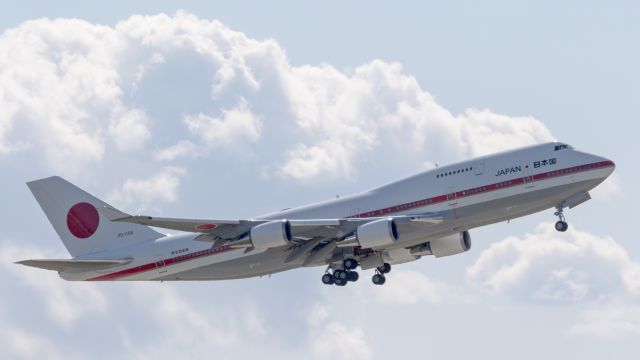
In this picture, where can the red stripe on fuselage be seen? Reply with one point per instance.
(484, 189)
(160, 264)
(380, 212)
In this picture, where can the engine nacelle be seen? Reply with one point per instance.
(377, 234)
(448, 245)
(271, 234)
(400, 256)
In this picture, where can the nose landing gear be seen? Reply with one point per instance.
(561, 224)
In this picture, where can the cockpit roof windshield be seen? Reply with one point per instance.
(561, 146)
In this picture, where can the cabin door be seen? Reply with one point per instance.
(528, 178)
(478, 167)
(160, 264)
(452, 200)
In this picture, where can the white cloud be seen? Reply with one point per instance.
(182, 319)
(157, 188)
(130, 130)
(57, 81)
(235, 125)
(306, 162)
(614, 320)
(551, 267)
(378, 109)
(20, 344)
(71, 90)
(331, 339)
(410, 287)
(66, 302)
(610, 188)
(179, 149)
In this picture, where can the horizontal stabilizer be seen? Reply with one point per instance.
(61, 265)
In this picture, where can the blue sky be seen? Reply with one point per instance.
(224, 111)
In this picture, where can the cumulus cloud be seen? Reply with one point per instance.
(179, 149)
(235, 125)
(331, 339)
(613, 320)
(66, 303)
(378, 108)
(143, 192)
(80, 94)
(410, 287)
(185, 324)
(129, 130)
(20, 344)
(550, 267)
(610, 188)
(120, 315)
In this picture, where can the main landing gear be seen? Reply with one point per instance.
(561, 224)
(342, 276)
(346, 274)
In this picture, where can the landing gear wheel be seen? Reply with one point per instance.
(350, 263)
(378, 279)
(340, 282)
(562, 226)
(328, 279)
(353, 276)
(384, 269)
(340, 275)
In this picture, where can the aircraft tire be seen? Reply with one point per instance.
(561, 226)
(328, 279)
(378, 279)
(340, 275)
(384, 269)
(350, 263)
(340, 282)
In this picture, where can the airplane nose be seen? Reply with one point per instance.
(606, 163)
(600, 162)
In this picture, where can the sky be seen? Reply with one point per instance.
(197, 109)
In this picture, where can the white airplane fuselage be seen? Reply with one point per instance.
(467, 194)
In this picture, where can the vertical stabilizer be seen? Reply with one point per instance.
(74, 216)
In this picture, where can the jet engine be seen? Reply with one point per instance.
(400, 256)
(448, 245)
(270, 234)
(375, 234)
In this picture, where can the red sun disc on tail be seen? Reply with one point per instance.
(83, 220)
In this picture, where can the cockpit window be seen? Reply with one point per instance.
(562, 147)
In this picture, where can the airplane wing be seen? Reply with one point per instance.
(233, 229)
(315, 239)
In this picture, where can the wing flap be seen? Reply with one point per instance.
(61, 265)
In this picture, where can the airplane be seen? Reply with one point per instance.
(429, 213)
